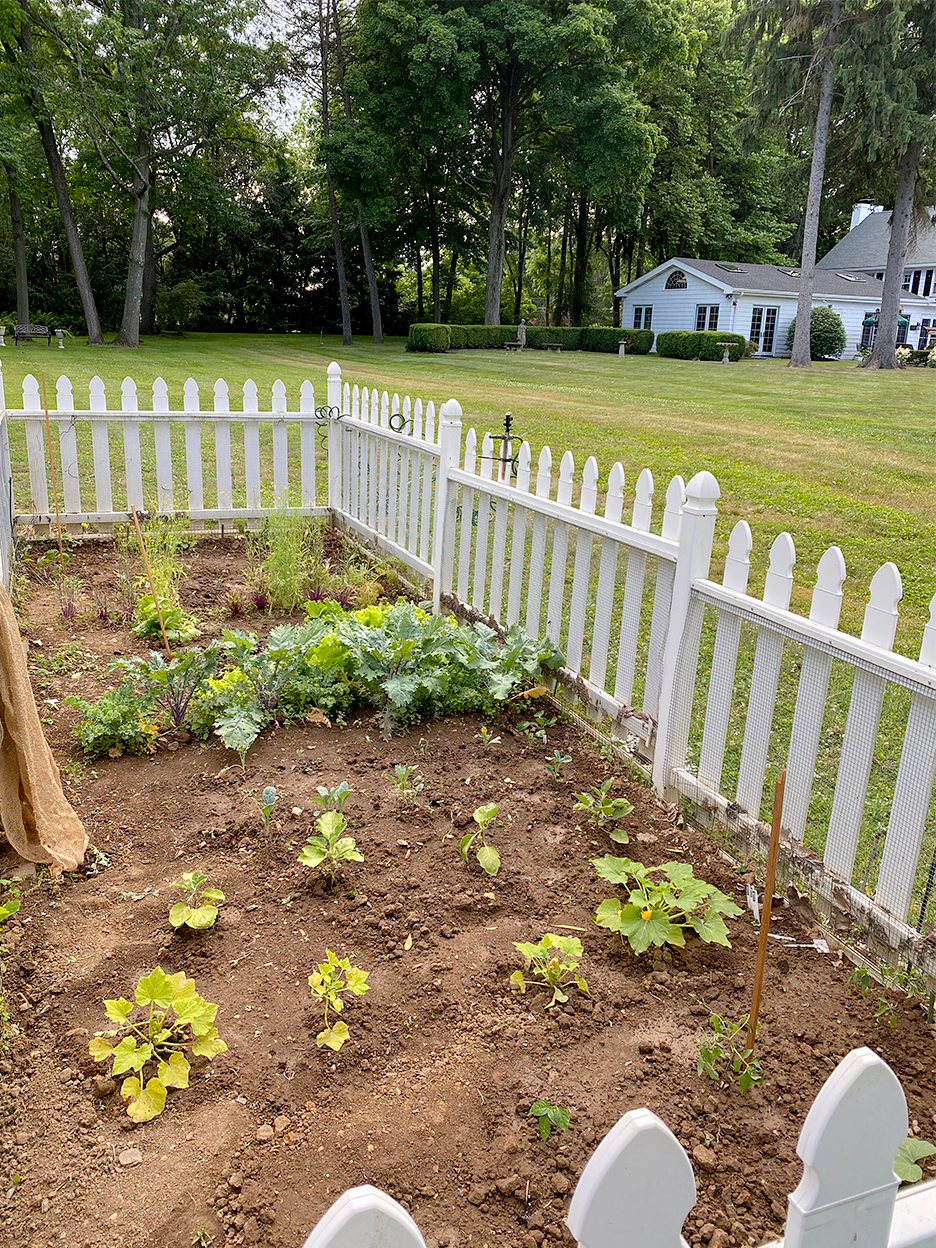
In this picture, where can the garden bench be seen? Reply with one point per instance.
(513, 346)
(551, 346)
(28, 332)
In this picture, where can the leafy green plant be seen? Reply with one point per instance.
(166, 538)
(8, 907)
(333, 978)
(200, 910)
(724, 1045)
(408, 783)
(487, 738)
(265, 806)
(663, 901)
(487, 855)
(549, 1116)
(536, 727)
(180, 628)
(330, 848)
(175, 1019)
(332, 799)
(909, 1153)
(120, 722)
(602, 808)
(555, 763)
(172, 685)
(285, 542)
(554, 961)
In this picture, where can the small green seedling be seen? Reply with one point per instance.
(725, 1046)
(553, 960)
(548, 1116)
(175, 1018)
(860, 978)
(265, 806)
(487, 855)
(536, 727)
(202, 1238)
(555, 763)
(602, 809)
(487, 738)
(909, 1153)
(7, 908)
(330, 847)
(408, 783)
(332, 799)
(201, 910)
(336, 976)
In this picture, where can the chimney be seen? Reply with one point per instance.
(862, 210)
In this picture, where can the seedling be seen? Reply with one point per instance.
(909, 1153)
(548, 1116)
(553, 960)
(487, 738)
(7, 908)
(487, 855)
(200, 911)
(860, 978)
(265, 806)
(536, 727)
(332, 799)
(334, 977)
(330, 847)
(555, 763)
(725, 1045)
(178, 1018)
(202, 1238)
(602, 809)
(662, 902)
(408, 783)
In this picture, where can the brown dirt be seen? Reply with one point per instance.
(429, 1098)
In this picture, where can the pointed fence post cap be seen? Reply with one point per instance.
(450, 412)
(851, 1133)
(702, 493)
(334, 370)
(365, 1217)
(639, 1175)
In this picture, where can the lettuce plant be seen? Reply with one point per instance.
(180, 628)
(200, 910)
(153, 1045)
(334, 977)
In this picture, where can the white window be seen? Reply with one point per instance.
(676, 280)
(642, 317)
(924, 333)
(706, 316)
(906, 279)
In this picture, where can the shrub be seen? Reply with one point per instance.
(428, 338)
(608, 339)
(827, 337)
(179, 305)
(667, 343)
(566, 336)
(705, 344)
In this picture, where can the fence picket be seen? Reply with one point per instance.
(607, 573)
(811, 695)
(383, 457)
(582, 568)
(36, 451)
(280, 448)
(518, 537)
(765, 677)
(538, 546)
(485, 470)
(68, 451)
(393, 472)
(560, 552)
(133, 460)
(100, 452)
(427, 511)
(499, 547)
(222, 439)
(365, 1217)
(411, 538)
(861, 727)
(193, 453)
(662, 598)
(633, 593)
(467, 517)
(162, 441)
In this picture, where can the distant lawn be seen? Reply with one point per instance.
(833, 455)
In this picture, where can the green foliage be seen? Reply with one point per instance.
(201, 910)
(602, 808)
(179, 305)
(515, 662)
(908, 1154)
(8, 907)
(424, 337)
(725, 1046)
(597, 338)
(285, 543)
(120, 722)
(487, 855)
(172, 685)
(265, 806)
(332, 799)
(486, 737)
(536, 727)
(180, 628)
(685, 344)
(549, 1116)
(330, 848)
(408, 783)
(668, 343)
(166, 538)
(175, 1018)
(555, 763)
(428, 338)
(334, 978)
(827, 337)
(553, 961)
(661, 903)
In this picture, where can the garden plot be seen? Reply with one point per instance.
(430, 1095)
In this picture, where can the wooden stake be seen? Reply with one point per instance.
(767, 906)
(48, 426)
(149, 574)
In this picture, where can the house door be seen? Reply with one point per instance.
(763, 329)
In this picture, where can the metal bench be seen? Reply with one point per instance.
(26, 333)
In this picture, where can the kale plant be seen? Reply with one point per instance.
(172, 685)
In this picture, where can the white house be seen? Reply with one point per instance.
(759, 301)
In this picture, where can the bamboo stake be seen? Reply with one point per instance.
(149, 574)
(768, 904)
(48, 426)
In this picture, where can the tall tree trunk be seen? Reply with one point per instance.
(346, 337)
(35, 101)
(548, 267)
(884, 354)
(801, 356)
(420, 300)
(148, 300)
(560, 290)
(129, 332)
(19, 248)
(521, 262)
(580, 272)
(436, 265)
(503, 149)
(450, 284)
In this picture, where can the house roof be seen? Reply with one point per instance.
(865, 246)
(774, 279)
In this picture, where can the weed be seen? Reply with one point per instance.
(723, 1046)
(334, 977)
(330, 848)
(536, 727)
(284, 570)
(408, 783)
(548, 1116)
(602, 808)
(200, 911)
(487, 855)
(166, 537)
(555, 763)
(553, 960)
(202, 1238)
(66, 659)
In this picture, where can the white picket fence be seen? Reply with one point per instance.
(638, 1186)
(626, 600)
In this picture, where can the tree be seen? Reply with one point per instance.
(827, 337)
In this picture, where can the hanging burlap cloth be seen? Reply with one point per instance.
(35, 815)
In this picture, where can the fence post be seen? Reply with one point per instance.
(681, 656)
(443, 520)
(6, 496)
(333, 399)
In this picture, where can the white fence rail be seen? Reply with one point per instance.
(711, 686)
(638, 1186)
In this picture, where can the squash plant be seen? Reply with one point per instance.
(554, 961)
(328, 982)
(200, 910)
(662, 903)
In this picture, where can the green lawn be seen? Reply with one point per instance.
(835, 455)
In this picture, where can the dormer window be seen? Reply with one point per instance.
(676, 280)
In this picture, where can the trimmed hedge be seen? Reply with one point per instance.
(667, 343)
(699, 344)
(424, 337)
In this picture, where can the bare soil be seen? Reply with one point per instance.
(429, 1098)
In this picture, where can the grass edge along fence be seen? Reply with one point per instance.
(499, 541)
(442, 337)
